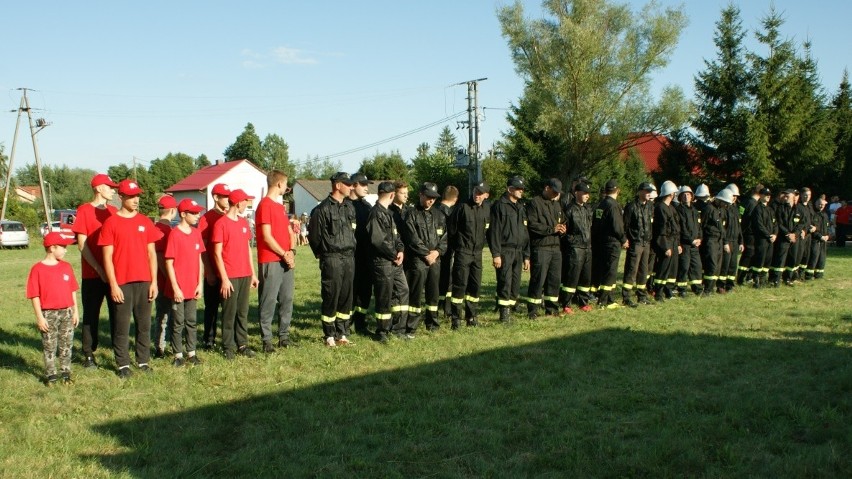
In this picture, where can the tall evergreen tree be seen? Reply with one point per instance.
(841, 112)
(276, 155)
(247, 146)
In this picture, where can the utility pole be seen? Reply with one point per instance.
(474, 167)
(40, 124)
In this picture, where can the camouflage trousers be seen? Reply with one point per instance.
(60, 334)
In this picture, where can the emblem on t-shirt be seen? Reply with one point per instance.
(197, 247)
(141, 229)
(65, 277)
(245, 230)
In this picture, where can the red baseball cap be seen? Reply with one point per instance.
(189, 206)
(57, 238)
(167, 201)
(102, 179)
(221, 189)
(239, 195)
(129, 188)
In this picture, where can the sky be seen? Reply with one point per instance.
(119, 80)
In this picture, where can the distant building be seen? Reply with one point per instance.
(308, 193)
(28, 194)
(238, 174)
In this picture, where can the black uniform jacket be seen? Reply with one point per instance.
(468, 226)
(422, 234)
(385, 240)
(666, 228)
(690, 227)
(332, 228)
(542, 217)
(712, 223)
(637, 221)
(762, 221)
(508, 228)
(608, 223)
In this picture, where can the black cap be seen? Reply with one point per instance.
(517, 182)
(430, 190)
(581, 179)
(765, 191)
(582, 187)
(554, 185)
(789, 191)
(341, 177)
(646, 187)
(360, 178)
(481, 188)
(611, 185)
(386, 187)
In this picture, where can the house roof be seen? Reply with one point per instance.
(31, 190)
(203, 178)
(648, 146)
(319, 189)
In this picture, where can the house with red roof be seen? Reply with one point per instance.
(241, 174)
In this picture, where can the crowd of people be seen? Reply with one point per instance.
(414, 262)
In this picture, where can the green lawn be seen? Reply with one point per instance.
(756, 383)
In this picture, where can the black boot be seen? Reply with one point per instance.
(505, 316)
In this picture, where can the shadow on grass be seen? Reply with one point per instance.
(607, 403)
(8, 359)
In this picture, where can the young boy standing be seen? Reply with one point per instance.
(184, 270)
(131, 268)
(232, 254)
(163, 319)
(52, 288)
(212, 282)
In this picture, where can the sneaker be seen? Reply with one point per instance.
(533, 316)
(344, 342)
(613, 306)
(246, 351)
(268, 348)
(472, 322)
(89, 363)
(178, 363)
(51, 380)
(145, 368)
(208, 346)
(586, 308)
(567, 310)
(409, 336)
(454, 324)
(124, 373)
(329, 342)
(159, 354)
(66, 377)
(382, 338)
(229, 354)
(193, 360)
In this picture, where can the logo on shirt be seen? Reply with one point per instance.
(141, 229)
(245, 230)
(65, 277)
(197, 246)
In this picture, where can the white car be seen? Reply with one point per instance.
(14, 233)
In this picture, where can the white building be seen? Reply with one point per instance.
(239, 174)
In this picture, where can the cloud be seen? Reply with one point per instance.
(290, 56)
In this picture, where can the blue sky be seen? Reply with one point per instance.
(125, 79)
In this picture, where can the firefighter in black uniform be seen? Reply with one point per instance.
(762, 225)
(713, 240)
(545, 224)
(791, 267)
(363, 288)
(819, 241)
(807, 210)
(689, 261)
(666, 242)
(425, 240)
(608, 239)
(446, 207)
(787, 234)
(577, 252)
(734, 241)
(468, 227)
(509, 244)
(747, 207)
(332, 240)
(386, 251)
(637, 225)
(400, 204)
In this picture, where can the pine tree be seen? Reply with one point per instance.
(247, 146)
(841, 113)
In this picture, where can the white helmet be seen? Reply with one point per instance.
(726, 196)
(702, 191)
(734, 189)
(652, 195)
(668, 188)
(684, 189)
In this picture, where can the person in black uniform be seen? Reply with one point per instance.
(713, 240)
(445, 207)
(608, 239)
(545, 224)
(509, 244)
(386, 251)
(467, 229)
(733, 240)
(762, 225)
(819, 241)
(363, 288)
(747, 207)
(638, 215)
(666, 242)
(806, 208)
(791, 266)
(425, 240)
(577, 252)
(332, 240)
(689, 261)
(786, 231)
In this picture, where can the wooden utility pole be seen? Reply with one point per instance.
(474, 166)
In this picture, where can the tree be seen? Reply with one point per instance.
(385, 166)
(587, 70)
(722, 99)
(169, 170)
(447, 144)
(841, 113)
(150, 195)
(682, 161)
(247, 146)
(317, 169)
(201, 161)
(437, 167)
(276, 155)
(66, 187)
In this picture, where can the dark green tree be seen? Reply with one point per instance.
(841, 167)
(316, 168)
(385, 166)
(276, 155)
(201, 162)
(437, 167)
(247, 146)
(150, 195)
(172, 168)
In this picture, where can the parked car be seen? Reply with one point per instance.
(14, 234)
(63, 228)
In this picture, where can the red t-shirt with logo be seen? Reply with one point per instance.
(130, 238)
(54, 285)
(270, 212)
(234, 236)
(88, 222)
(185, 249)
(160, 247)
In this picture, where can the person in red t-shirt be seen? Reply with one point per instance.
(163, 319)
(212, 283)
(184, 270)
(275, 261)
(94, 287)
(130, 262)
(51, 286)
(842, 223)
(232, 254)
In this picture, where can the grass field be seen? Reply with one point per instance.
(755, 383)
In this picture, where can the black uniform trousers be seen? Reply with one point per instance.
(93, 291)
(728, 274)
(391, 289)
(362, 291)
(212, 300)
(816, 260)
(137, 306)
(467, 279)
(665, 273)
(711, 263)
(337, 274)
(791, 266)
(421, 277)
(635, 272)
(445, 294)
(689, 269)
(744, 268)
(605, 258)
(577, 276)
(780, 251)
(545, 269)
(805, 252)
(509, 277)
(760, 260)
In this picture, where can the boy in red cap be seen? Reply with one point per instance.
(212, 282)
(163, 320)
(130, 262)
(51, 286)
(232, 254)
(184, 270)
(94, 286)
